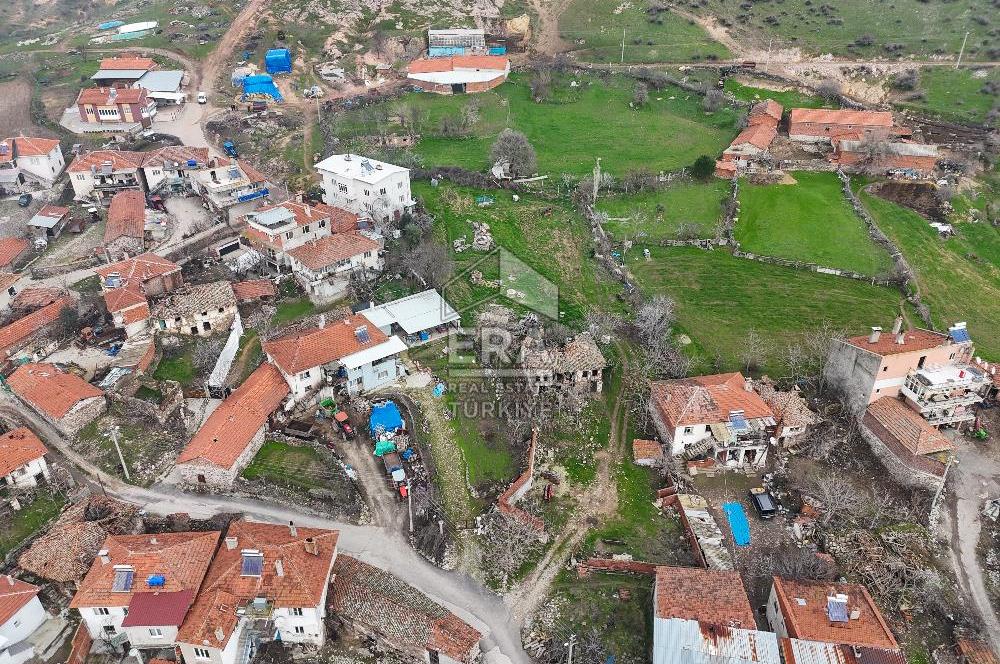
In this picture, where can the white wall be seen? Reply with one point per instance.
(311, 621)
(774, 617)
(96, 622)
(393, 189)
(682, 438)
(25, 475)
(47, 167)
(23, 623)
(140, 637)
(225, 655)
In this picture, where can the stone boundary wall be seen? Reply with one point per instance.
(615, 566)
(905, 467)
(65, 268)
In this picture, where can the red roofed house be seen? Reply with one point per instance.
(646, 452)
(27, 161)
(22, 459)
(128, 284)
(101, 174)
(266, 582)
(828, 612)
(718, 415)
(351, 351)
(20, 615)
(851, 153)
(11, 248)
(141, 587)
(254, 289)
(125, 231)
(225, 184)
(819, 124)
(325, 267)
(48, 223)
(122, 71)
(21, 336)
(277, 228)
(231, 436)
(458, 74)
(914, 452)
(65, 400)
(108, 109)
(752, 143)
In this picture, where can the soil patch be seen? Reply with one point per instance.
(15, 109)
(921, 197)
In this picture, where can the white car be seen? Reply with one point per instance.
(202, 98)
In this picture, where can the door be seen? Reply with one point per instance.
(458, 88)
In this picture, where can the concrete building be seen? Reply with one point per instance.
(163, 87)
(115, 108)
(814, 125)
(228, 183)
(122, 70)
(65, 400)
(231, 436)
(326, 267)
(348, 353)
(22, 460)
(125, 230)
(458, 74)
(275, 229)
(455, 41)
(20, 615)
(417, 319)
(199, 310)
(26, 163)
(172, 168)
(365, 186)
(101, 174)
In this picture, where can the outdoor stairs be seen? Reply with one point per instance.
(698, 449)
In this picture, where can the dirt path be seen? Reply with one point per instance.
(547, 39)
(716, 31)
(598, 501)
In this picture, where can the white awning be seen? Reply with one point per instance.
(393, 346)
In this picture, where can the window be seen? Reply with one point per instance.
(322, 223)
(296, 612)
(109, 630)
(81, 176)
(305, 374)
(288, 235)
(156, 632)
(305, 229)
(951, 357)
(382, 191)
(102, 611)
(399, 185)
(688, 429)
(920, 364)
(299, 629)
(433, 657)
(367, 193)
(202, 653)
(342, 188)
(368, 254)
(884, 369)
(221, 310)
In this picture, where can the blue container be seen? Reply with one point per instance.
(498, 50)
(107, 25)
(278, 61)
(261, 84)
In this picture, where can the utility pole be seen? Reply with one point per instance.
(114, 437)
(570, 644)
(623, 45)
(962, 50)
(409, 503)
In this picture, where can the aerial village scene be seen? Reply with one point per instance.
(499, 332)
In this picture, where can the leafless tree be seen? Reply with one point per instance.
(602, 323)
(874, 508)
(713, 100)
(541, 85)
(837, 494)
(753, 349)
(797, 563)
(507, 543)
(689, 231)
(640, 95)
(430, 263)
(655, 317)
(873, 154)
(513, 147)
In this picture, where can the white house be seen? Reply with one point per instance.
(103, 173)
(22, 459)
(266, 582)
(227, 183)
(273, 230)
(326, 266)
(27, 161)
(365, 186)
(20, 615)
(350, 352)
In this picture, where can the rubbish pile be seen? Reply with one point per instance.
(477, 279)
(482, 238)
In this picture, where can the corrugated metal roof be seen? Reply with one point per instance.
(106, 74)
(678, 641)
(414, 313)
(161, 81)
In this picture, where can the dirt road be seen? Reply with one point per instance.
(546, 38)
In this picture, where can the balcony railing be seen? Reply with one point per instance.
(965, 416)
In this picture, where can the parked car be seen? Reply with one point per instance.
(764, 502)
(24, 200)
(202, 98)
(230, 149)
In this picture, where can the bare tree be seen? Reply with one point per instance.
(507, 543)
(640, 95)
(836, 493)
(541, 85)
(513, 147)
(799, 563)
(602, 323)
(655, 317)
(873, 154)
(753, 349)
(430, 263)
(713, 101)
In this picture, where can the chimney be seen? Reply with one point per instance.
(10, 579)
(219, 634)
(322, 321)
(298, 197)
(279, 569)
(311, 546)
(897, 326)
(103, 555)
(291, 529)
(231, 543)
(874, 336)
(748, 384)
(901, 338)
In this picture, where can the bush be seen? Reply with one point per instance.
(703, 167)
(906, 80)
(513, 147)
(713, 100)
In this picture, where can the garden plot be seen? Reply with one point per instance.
(683, 209)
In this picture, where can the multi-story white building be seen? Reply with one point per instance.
(28, 161)
(276, 229)
(226, 183)
(103, 173)
(20, 615)
(365, 186)
(22, 459)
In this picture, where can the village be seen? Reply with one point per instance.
(464, 346)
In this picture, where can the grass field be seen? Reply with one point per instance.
(787, 98)
(25, 522)
(808, 221)
(955, 95)
(959, 277)
(595, 29)
(569, 132)
(660, 214)
(720, 298)
(918, 27)
(289, 310)
(178, 367)
(287, 465)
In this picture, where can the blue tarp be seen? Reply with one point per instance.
(498, 50)
(278, 61)
(387, 417)
(261, 84)
(737, 523)
(107, 25)
(443, 51)
(260, 193)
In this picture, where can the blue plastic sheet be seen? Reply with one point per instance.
(387, 417)
(737, 523)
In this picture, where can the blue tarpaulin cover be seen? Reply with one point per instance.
(498, 50)
(387, 417)
(110, 24)
(444, 51)
(261, 84)
(737, 523)
(278, 61)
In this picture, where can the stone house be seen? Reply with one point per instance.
(814, 125)
(577, 365)
(20, 615)
(852, 153)
(914, 452)
(22, 459)
(127, 286)
(791, 412)
(125, 230)
(24, 335)
(234, 432)
(752, 144)
(198, 310)
(65, 400)
(27, 161)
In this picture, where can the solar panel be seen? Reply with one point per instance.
(362, 334)
(959, 335)
(836, 609)
(123, 581)
(738, 421)
(253, 565)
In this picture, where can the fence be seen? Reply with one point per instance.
(217, 378)
(81, 646)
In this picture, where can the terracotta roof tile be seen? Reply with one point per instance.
(976, 651)
(109, 96)
(317, 346)
(49, 389)
(302, 582)
(23, 328)
(767, 108)
(326, 251)
(431, 65)
(121, 160)
(789, 407)
(10, 249)
(907, 427)
(646, 449)
(841, 117)
(709, 596)
(17, 448)
(136, 314)
(190, 300)
(126, 216)
(706, 399)
(142, 267)
(914, 340)
(27, 146)
(759, 136)
(14, 595)
(252, 173)
(125, 297)
(127, 62)
(182, 559)
(310, 213)
(233, 424)
(803, 605)
(254, 289)
(8, 279)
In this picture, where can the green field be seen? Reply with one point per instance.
(959, 277)
(957, 96)
(299, 467)
(720, 298)
(809, 221)
(594, 30)
(289, 310)
(24, 523)
(787, 98)
(919, 27)
(568, 133)
(660, 214)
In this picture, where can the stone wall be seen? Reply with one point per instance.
(65, 268)
(82, 414)
(173, 399)
(615, 566)
(517, 490)
(216, 477)
(905, 467)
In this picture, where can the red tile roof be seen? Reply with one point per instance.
(104, 96)
(22, 328)
(127, 62)
(913, 340)
(907, 427)
(233, 424)
(121, 160)
(252, 173)
(179, 154)
(976, 651)
(49, 389)
(158, 608)
(14, 595)
(841, 117)
(326, 251)
(17, 448)
(301, 583)
(317, 346)
(706, 399)
(306, 213)
(142, 267)
(136, 314)
(26, 146)
(759, 136)
(254, 289)
(709, 596)
(646, 449)
(129, 295)
(126, 216)
(767, 111)
(182, 559)
(53, 211)
(808, 618)
(431, 65)
(10, 249)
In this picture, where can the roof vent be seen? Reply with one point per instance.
(152, 540)
(311, 546)
(855, 614)
(800, 601)
(291, 529)
(378, 167)
(347, 157)
(231, 543)
(279, 569)
(901, 338)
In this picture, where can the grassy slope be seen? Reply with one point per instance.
(694, 203)
(719, 298)
(809, 221)
(957, 287)
(287, 465)
(598, 24)
(28, 520)
(787, 98)
(954, 95)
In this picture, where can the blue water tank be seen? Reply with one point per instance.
(156, 581)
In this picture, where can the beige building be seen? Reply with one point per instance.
(198, 310)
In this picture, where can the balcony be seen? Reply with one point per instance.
(952, 418)
(125, 183)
